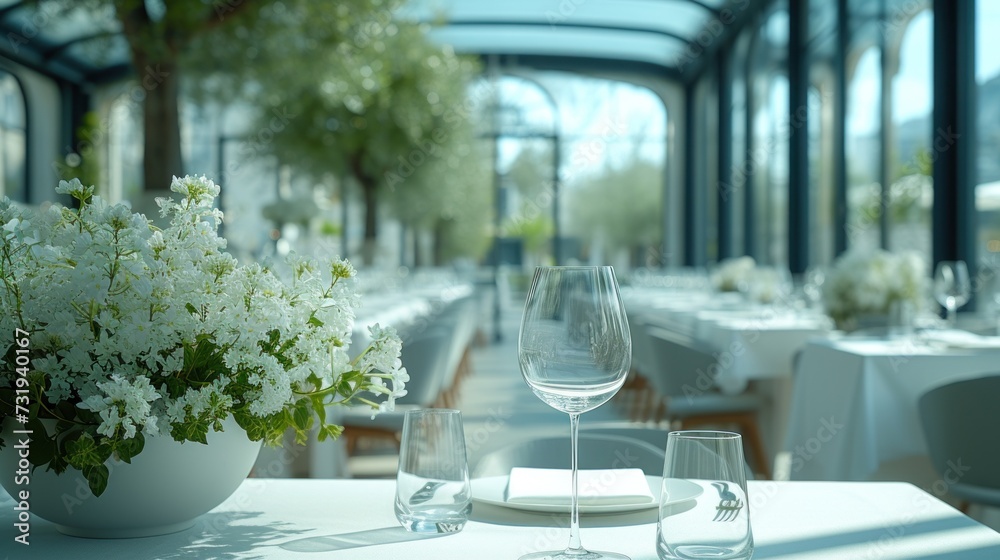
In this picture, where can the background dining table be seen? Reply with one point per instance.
(753, 343)
(349, 519)
(854, 404)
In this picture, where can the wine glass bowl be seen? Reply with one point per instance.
(574, 349)
(952, 287)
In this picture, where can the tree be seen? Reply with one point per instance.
(377, 108)
(623, 204)
(341, 87)
(171, 40)
(450, 197)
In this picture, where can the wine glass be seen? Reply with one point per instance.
(952, 287)
(574, 349)
(813, 286)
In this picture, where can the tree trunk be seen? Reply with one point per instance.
(159, 82)
(370, 191)
(418, 252)
(440, 230)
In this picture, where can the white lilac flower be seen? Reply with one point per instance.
(119, 307)
(124, 404)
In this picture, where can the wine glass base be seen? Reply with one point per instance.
(574, 555)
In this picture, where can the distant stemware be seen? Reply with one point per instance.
(952, 287)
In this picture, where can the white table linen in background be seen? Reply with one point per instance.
(751, 341)
(353, 519)
(854, 402)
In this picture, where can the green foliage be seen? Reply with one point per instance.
(623, 204)
(535, 231)
(370, 98)
(451, 197)
(85, 163)
(531, 171)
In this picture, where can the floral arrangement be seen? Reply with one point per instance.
(769, 284)
(135, 332)
(868, 282)
(730, 273)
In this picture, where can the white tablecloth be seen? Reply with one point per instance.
(751, 341)
(854, 403)
(353, 519)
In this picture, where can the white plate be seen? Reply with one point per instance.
(491, 489)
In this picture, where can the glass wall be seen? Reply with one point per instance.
(609, 147)
(706, 172)
(736, 189)
(988, 135)
(863, 75)
(13, 140)
(822, 58)
(771, 128)
(910, 60)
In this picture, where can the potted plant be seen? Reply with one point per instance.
(863, 286)
(119, 337)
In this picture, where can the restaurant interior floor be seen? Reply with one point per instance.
(498, 408)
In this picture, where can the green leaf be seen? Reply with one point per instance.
(191, 309)
(175, 387)
(320, 407)
(301, 415)
(329, 431)
(66, 410)
(128, 448)
(97, 478)
(344, 387)
(82, 451)
(314, 321)
(195, 429)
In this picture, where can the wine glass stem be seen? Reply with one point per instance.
(574, 516)
(950, 315)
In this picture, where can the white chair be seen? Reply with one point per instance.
(681, 365)
(460, 317)
(425, 356)
(961, 426)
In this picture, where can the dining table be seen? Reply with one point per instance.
(753, 341)
(854, 403)
(753, 344)
(346, 519)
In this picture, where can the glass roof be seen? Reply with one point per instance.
(653, 31)
(87, 46)
(78, 45)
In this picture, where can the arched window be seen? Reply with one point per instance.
(768, 75)
(13, 140)
(863, 147)
(609, 138)
(910, 137)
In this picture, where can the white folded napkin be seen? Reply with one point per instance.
(596, 486)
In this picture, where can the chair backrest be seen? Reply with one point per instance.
(679, 362)
(657, 437)
(961, 424)
(425, 356)
(596, 451)
(459, 317)
(641, 360)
